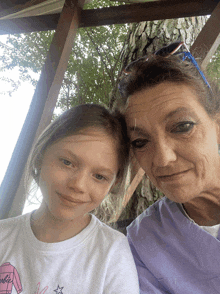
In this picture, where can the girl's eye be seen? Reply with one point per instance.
(139, 143)
(100, 177)
(183, 127)
(66, 162)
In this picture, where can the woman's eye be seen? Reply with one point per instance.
(139, 143)
(183, 127)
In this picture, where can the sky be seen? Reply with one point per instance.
(13, 111)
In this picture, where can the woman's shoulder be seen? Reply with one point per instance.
(162, 211)
(154, 210)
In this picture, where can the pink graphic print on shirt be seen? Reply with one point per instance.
(9, 277)
(38, 289)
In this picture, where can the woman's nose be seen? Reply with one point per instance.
(164, 154)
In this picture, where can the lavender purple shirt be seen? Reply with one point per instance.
(173, 254)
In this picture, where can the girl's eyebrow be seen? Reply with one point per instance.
(79, 159)
(66, 150)
(106, 170)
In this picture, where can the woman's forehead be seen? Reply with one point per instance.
(165, 96)
(166, 100)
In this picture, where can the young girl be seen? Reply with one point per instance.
(61, 247)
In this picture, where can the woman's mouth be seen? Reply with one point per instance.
(172, 177)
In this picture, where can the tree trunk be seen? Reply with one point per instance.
(146, 37)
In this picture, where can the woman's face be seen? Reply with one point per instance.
(77, 172)
(174, 140)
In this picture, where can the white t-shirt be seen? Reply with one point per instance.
(96, 261)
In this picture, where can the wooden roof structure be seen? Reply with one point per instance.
(19, 16)
(66, 16)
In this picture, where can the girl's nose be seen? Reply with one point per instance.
(79, 181)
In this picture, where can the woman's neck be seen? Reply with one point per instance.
(205, 211)
(47, 228)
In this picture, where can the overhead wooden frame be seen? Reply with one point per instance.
(22, 8)
(114, 15)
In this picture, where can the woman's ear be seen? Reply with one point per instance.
(217, 120)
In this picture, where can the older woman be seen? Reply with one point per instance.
(173, 123)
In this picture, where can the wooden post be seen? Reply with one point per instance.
(135, 182)
(208, 39)
(43, 103)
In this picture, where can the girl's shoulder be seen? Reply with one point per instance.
(11, 225)
(106, 232)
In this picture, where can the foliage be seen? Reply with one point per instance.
(93, 65)
(213, 68)
(13, 85)
(103, 3)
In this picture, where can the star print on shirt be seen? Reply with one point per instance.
(58, 290)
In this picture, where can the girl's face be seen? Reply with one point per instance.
(174, 140)
(77, 172)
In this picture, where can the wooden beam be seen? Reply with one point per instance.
(43, 102)
(9, 4)
(33, 8)
(29, 24)
(115, 15)
(146, 12)
(17, 6)
(208, 39)
(130, 191)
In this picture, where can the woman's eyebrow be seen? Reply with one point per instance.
(178, 110)
(138, 130)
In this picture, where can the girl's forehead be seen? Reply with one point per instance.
(93, 131)
(94, 148)
(90, 134)
(87, 137)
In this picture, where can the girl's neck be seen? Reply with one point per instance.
(47, 228)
